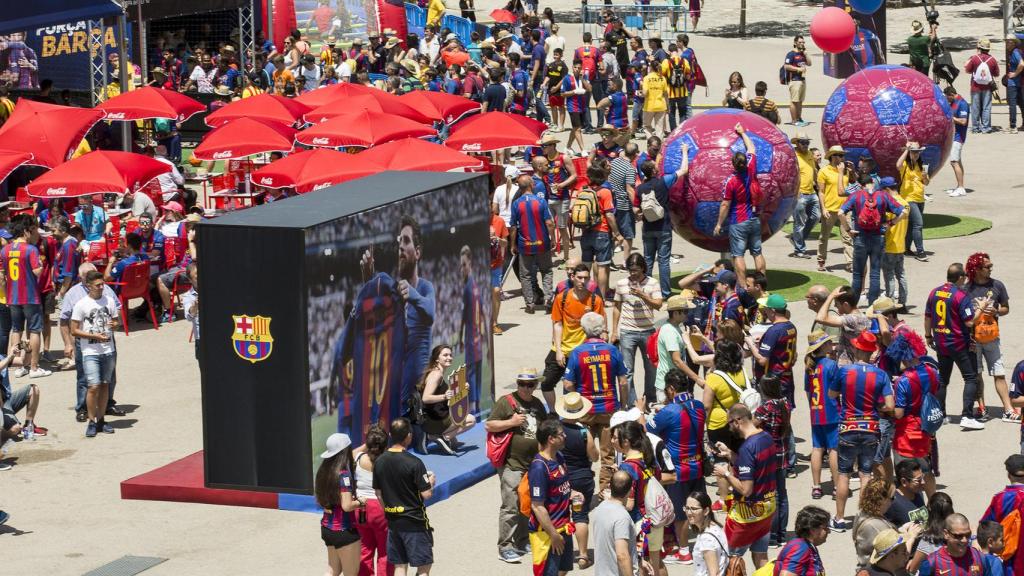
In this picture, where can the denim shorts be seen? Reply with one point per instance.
(496, 274)
(759, 546)
(27, 316)
(825, 436)
(989, 354)
(596, 247)
(745, 236)
(626, 222)
(887, 432)
(99, 368)
(857, 449)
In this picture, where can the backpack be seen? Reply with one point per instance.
(587, 55)
(499, 443)
(676, 76)
(783, 75)
(736, 566)
(771, 115)
(1011, 532)
(931, 414)
(585, 211)
(748, 396)
(523, 490)
(982, 74)
(869, 217)
(651, 208)
(698, 77)
(659, 506)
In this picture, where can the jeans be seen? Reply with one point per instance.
(629, 342)
(781, 518)
(81, 386)
(867, 251)
(1015, 98)
(981, 111)
(676, 106)
(659, 242)
(805, 214)
(687, 110)
(915, 232)
(528, 267)
(599, 89)
(512, 527)
(540, 96)
(895, 276)
(965, 364)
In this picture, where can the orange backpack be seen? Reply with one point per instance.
(524, 495)
(986, 329)
(1011, 533)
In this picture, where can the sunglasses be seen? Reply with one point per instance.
(528, 384)
(962, 536)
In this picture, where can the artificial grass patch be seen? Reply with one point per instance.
(790, 284)
(936, 226)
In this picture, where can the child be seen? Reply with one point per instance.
(820, 368)
(990, 542)
(772, 416)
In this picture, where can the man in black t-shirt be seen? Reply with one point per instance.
(494, 94)
(403, 485)
(908, 495)
(619, 37)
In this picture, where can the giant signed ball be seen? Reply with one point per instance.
(712, 140)
(878, 109)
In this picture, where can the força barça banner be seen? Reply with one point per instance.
(59, 52)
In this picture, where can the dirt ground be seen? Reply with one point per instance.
(63, 494)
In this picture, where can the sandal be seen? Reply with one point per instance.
(821, 266)
(583, 562)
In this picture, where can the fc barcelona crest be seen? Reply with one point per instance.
(252, 338)
(458, 404)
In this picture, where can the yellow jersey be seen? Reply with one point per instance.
(896, 234)
(655, 90)
(830, 186)
(912, 184)
(805, 163)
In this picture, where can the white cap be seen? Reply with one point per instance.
(450, 37)
(623, 416)
(336, 443)
(512, 171)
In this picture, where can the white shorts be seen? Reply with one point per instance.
(954, 152)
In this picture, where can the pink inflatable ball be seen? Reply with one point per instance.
(712, 140)
(877, 110)
(832, 29)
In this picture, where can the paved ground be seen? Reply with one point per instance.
(67, 516)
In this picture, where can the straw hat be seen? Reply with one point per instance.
(572, 406)
(817, 339)
(391, 43)
(984, 44)
(678, 302)
(885, 542)
(222, 91)
(607, 129)
(410, 65)
(548, 139)
(527, 375)
(916, 27)
(884, 304)
(503, 35)
(833, 150)
(485, 44)
(914, 146)
(800, 137)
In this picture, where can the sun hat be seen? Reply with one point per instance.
(607, 129)
(410, 65)
(916, 26)
(623, 416)
(159, 70)
(833, 150)
(572, 406)
(548, 139)
(451, 36)
(503, 35)
(193, 218)
(527, 375)
(336, 443)
(914, 146)
(984, 44)
(800, 137)
(679, 302)
(222, 91)
(885, 542)
(775, 302)
(391, 43)
(884, 304)
(817, 339)
(865, 342)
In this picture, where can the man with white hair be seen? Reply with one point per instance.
(595, 369)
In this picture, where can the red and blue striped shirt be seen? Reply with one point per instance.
(910, 388)
(19, 259)
(618, 111)
(529, 214)
(336, 519)
(862, 388)
(573, 102)
(549, 485)
(949, 309)
(779, 344)
(67, 261)
(824, 409)
(1002, 504)
(681, 425)
(756, 460)
(799, 557)
(738, 194)
(594, 368)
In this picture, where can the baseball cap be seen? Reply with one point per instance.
(885, 542)
(775, 302)
(887, 182)
(1015, 465)
(336, 443)
(512, 171)
(726, 277)
(865, 342)
(173, 206)
(623, 416)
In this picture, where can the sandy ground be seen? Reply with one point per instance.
(63, 495)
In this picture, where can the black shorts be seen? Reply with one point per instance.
(412, 548)
(576, 119)
(725, 437)
(680, 491)
(338, 538)
(552, 373)
(583, 484)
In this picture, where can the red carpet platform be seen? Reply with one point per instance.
(182, 481)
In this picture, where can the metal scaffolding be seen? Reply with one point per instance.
(1013, 16)
(97, 61)
(246, 34)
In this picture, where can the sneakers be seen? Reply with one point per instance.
(6, 446)
(4, 467)
(39, 373)
(166, 318)
(816, 493)
(90, 430)
(790, 472)
(967, 423)
(4, 517)
(105, 428)
(677, 558)
(837, 525)
(28, 431)
(81, 416)
(510, 556)
(928, 197)
(957, 193)
(801, 123)
(21, 372)
(443, 444)
(921, 257)
(798, 254)
(38, 430)
(1011, 417)
(773, 543)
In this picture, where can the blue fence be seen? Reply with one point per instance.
(415, 18)
(641, 19)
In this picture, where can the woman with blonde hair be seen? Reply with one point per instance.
(736, 93)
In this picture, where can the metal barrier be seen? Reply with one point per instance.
(640, 19)
(415, 18)
(461, 27)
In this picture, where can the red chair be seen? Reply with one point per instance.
(135, 284)
(131, 226)
(114, 238)
(174, 253)
(98, 254)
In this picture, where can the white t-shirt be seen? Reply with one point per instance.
(343, 70)
(312, 76)
(550, 43)
(96, 317)
(712, 539)
(503, 198)
(636, 315)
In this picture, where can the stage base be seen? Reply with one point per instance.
(183, 481)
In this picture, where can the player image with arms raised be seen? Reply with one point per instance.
(471, 334)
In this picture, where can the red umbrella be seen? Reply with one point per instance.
(269, 107)
(346, 105)
(416, 154)
(441, 105)
(313, 169)
(327, 94)
(505, 16)
(11, 159)
(363, 129)
(245, 137)
(495, 131)
(97, 172)
(49, 132)
(149, 102)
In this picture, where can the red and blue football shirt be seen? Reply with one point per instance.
(529, 216)
(738, 194)
(800, 558)
(756, 460)
(573, 102)
(949, 309)
(778, 344)
(824, 409)
(681, 425)
(549, 485)
(336, 519)
(472, 320)
(19, 259)
(862, 388)
(618, 110)
(67, 261)
(594, 368)
(910, 388)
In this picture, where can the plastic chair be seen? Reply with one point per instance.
(135, 284)
(98, 254)
(131, 226)
(174, 253)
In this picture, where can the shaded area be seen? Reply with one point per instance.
(790, 284)
(936, 226)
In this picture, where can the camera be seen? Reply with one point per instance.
(932, 16)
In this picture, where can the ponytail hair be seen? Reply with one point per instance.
(633, 433)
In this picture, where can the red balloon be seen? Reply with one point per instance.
(832, 30)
